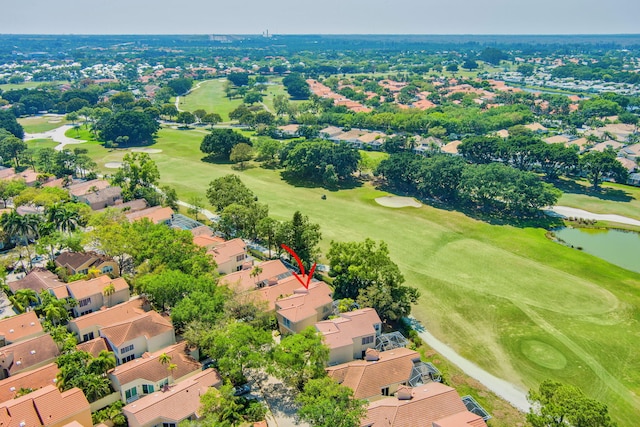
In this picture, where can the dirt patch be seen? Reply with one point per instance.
(113, 165)
(146, 150)
(398, 202)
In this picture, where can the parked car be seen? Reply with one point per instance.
(239, 390)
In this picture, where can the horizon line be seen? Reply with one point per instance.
(323, 34)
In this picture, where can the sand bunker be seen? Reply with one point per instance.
(146, 150)
(398, 202)
(113, 165)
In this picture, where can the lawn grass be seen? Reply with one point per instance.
(80, 132)
(612, 199)
(40, 124)
(506, 297)
(28, 85)
(210, 97)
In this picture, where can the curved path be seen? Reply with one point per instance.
(565, 211)
(502, 388)
(58, 135)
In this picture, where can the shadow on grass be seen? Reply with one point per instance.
(218, 160)
(306, 183)
(540, 220)
(611, 194)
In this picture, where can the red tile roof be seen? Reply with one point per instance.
(17, 327)
(304, 303)
(177, 403)
(155, 214)
(272, 272)
(366, 378)
(149, 324)
(94, 346)
(34, 379)
(38, 279)
(110, 316)
(223, 252)
(428, 404)
(85, 288)
(148, 367)
(341, 331)
(22, 355)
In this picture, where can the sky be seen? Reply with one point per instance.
(320, 17)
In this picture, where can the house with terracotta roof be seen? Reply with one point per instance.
(147, 374)
(94, 293)
(451, 147)
(33, 379)
(27, 354)
(378, 375)
(47, 407)
(86, 327)
(39, 279)
(171, 405)
(270, 273)
(155, 214)
(350, 335)
(130, 206)
(433, 404)
(230, 256)
(130, 339)
(20, 327)
(82, 188)
(304, 308)
(557, 139)
(81, 263)
(536, 127)
(601, 146)
(102, 199)
(206, 241)
(93, 347)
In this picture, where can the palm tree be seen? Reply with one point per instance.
(55, 311)
(23, 299)
(255, 272)
(172, 367)
(64, 219)
(94, 386)
(103, 363)
(164, 358)
(108, 291)
(22, 226)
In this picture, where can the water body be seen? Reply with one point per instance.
(621, 248)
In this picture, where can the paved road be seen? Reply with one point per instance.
(565, 211)
(502, 388)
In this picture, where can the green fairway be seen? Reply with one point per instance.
(29, 85)
(209, 95)
(40, 124)
(612, 199)
(506, 297)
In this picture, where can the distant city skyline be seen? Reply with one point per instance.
(326, 17)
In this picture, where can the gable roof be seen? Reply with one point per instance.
(38, 279)
(34, 379)
(272, 272)
(428, 404)
(130, 206)
(305, 302)
(148, 367)
(103, 195)
(341, 331)
(222, 252)
(93, 347)
(155, 214)
(177, 403)
(110, 316)
(78, 259)
(149, 324)
(282, 289)
(366, 378)
(43, 407)
(206, 241)
(28, 353)
(23, 325)
(82, 188)
(85, 288)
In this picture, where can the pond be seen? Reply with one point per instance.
(618, 247)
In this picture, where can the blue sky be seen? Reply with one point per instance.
(320, 17)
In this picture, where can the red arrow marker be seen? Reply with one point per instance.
(301, 267)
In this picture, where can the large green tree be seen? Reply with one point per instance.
(220, 142)
(600, 164)
(137, 176)
(364, 271)
(227, 190)
(299, 358)
(560, 405)
(136, 126)
(301, 235)
(8, 121)
(11, 147)
(325, 403)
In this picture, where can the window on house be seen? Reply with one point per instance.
(107, 269)
(128, 358)
(82, 313)
(126, 349)
(147, 388)
(84, 302)
(385, 391)
(240, 258)
(163, 383)
(286, 322)
(85, 271)
(367, 340)
(131, 393)
(87, 337)
(168, 425)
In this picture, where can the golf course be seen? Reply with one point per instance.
(506, 297)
